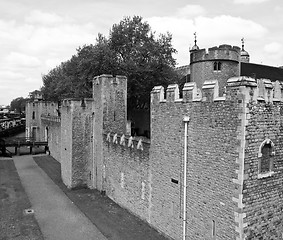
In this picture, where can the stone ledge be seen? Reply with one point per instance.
(265, 175)
(50, 118)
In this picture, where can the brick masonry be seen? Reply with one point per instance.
(262, 197)
(212, 152)
(76, 142)
(34, 111)
(126, 174)
(53, 126)
(227, 196)
(202, 65)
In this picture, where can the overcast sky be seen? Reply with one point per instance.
(37, 35)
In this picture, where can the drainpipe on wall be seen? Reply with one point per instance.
(186, 121)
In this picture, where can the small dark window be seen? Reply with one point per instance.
(266, 158)
(174, 180)
(33, 115)
(213, 228)
(217, 66)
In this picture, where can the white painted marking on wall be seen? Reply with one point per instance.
(122, 180)
(142, 190)
(104, 171)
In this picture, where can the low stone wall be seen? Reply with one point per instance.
(126, 173)
(51, 125)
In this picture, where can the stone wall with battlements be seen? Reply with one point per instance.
(213, 141)
(126, 172)
(52, 128)
(202, 65)
(228, 196)
(110, 94)
(34, 110)
(76, 142)
(261, 211)
(110, 115)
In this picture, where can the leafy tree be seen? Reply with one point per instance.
(131, 50)
(18, 104)
(73, 77)
(146, 61)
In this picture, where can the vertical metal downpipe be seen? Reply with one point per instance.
(186, 121)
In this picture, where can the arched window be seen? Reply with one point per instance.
(265, 154)
(217, 66)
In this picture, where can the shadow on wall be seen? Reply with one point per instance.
(138, 123)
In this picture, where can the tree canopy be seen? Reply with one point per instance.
(18, 104)
(132, 49)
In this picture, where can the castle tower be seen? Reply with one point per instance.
(219, 63)
(110, 116)
(245, 57)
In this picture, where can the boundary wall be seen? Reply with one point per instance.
(34, 110)
(76, 142)
(52, 129)
(227, 197)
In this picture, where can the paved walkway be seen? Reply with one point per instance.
(57, 216)
(14, 223)
(59, 213)
(114, 222)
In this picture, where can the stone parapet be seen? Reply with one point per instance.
(50, 118)
(254, 90)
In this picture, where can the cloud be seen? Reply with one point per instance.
(6, 76)
(210, 32)
(228, 28)
(246, 2)
(59, 38)
(273, 47)
(36, 44)
(273, 52)
(43, 18)
(31, 80)
(191, 11)
(22, 60)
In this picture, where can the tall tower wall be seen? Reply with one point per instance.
(219, 63)
(110, 116)
(76, 142)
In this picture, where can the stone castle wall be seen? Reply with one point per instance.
(34, 111)
(202, 65)
(227, 197)
(110, 116)
(53, 126)
(262, 192)
(76, 142)
(212, 152)
(126, 173)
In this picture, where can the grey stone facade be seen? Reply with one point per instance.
(233, 184)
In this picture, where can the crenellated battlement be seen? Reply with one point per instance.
(71, 102)
(223, 52)
(252, 89)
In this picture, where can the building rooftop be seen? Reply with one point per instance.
(261, 71)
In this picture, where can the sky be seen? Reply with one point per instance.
(37, 35)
